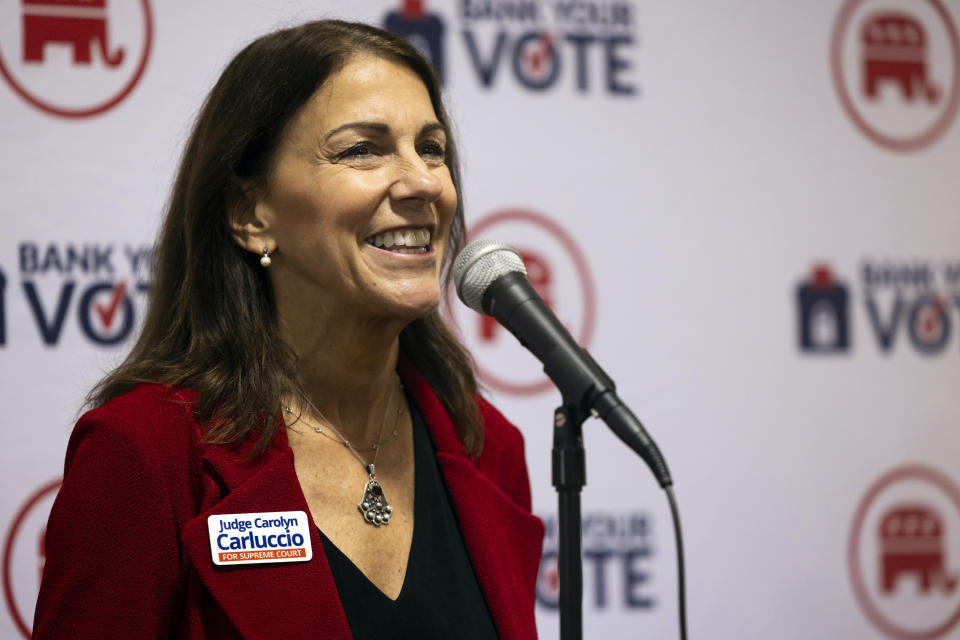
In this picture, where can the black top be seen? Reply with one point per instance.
(440, 597)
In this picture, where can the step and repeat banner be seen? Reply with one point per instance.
(749, 212)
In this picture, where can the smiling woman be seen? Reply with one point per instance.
(293, 368)
(364, 157)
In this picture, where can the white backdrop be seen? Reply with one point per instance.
(675, 173)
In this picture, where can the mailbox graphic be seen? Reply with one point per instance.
(895, 49)
(539, 275)
(81, 24)
(824, 321)
(421, 29)
(911, 538)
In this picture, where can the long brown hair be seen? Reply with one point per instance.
(210, 323)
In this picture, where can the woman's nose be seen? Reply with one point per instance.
(416, 179)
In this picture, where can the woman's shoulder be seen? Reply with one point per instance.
(151, 418)
(503, 458)
(151, 398)
(499, 432)
(149, 409)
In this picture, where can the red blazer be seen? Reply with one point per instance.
(127, 549)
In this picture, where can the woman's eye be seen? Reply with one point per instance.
(432, 150)
(360, 149)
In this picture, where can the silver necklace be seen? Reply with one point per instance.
(374, 507)
(297, 417)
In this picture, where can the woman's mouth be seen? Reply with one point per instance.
(409, 240)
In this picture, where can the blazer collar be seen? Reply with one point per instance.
(288, 600)
(504, 540)
(299, 599)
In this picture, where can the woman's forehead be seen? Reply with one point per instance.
(371, 89)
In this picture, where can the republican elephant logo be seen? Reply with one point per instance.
(895, 50)
(81, 24)
(911, 537)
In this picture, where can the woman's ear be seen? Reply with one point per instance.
(250, 220)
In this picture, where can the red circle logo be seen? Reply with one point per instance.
(558, 271)
(74, 58)
(23, 556)
(896, 69)
(904, 554)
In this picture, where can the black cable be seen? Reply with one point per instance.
(681, 582)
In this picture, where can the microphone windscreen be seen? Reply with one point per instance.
(479, 264)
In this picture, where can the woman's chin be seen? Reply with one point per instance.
(408, 308)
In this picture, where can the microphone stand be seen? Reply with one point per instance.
(586, 390)
(569, 476)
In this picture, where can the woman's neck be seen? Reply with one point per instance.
(347, 373)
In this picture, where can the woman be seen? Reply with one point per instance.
(292, 360)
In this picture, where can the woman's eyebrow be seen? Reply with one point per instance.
(379, 127)
(382, 128)
(432, 126)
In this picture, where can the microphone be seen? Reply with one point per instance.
(491, 279)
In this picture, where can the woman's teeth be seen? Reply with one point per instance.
(402, 240)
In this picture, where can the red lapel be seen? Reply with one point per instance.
(504, 540)
(284, 600)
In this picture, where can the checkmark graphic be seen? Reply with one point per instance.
(537, 58)
(108, 313)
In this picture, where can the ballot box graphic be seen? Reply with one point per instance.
(823, 313)
(421, 29)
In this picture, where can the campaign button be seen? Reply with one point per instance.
(256, 538)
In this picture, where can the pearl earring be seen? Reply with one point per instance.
(265, 259)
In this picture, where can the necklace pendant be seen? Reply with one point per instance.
(374, 506)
